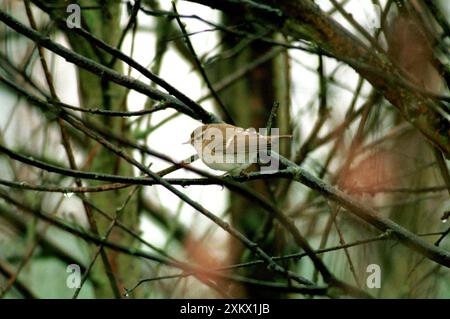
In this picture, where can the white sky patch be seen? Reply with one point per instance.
(152, 233)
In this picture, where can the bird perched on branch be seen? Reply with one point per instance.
(233, 149)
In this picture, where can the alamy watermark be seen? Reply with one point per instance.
(374, 279)
(73, 20)
(73, 280)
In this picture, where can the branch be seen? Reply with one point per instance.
(105, 72)
(368, 214)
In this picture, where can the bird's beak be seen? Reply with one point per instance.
(187, 142)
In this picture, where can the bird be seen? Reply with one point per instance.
(230, 148)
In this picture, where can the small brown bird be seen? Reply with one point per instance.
(229, 148)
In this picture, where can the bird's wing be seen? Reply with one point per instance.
(244, 142)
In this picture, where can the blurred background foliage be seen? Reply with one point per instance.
(344, 131)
